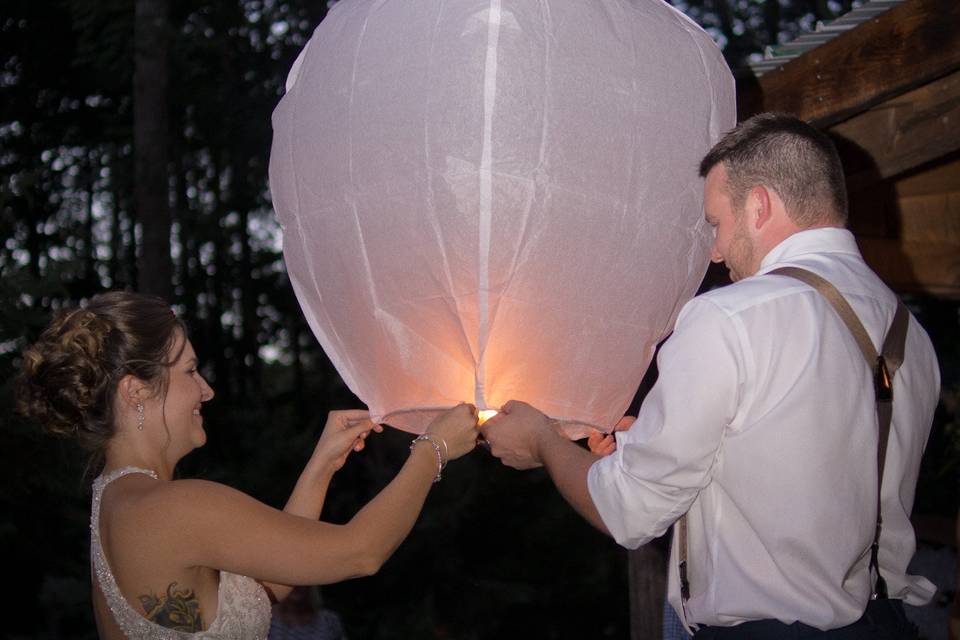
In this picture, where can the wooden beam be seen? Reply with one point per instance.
(647, 573)
(940, 179)
(933, 218)
(914, 266)
(902, 133)
(909, 229)
(905, 47)
(930, 218)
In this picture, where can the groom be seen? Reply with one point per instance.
(762, 426)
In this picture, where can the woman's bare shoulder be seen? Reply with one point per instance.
(189, 518)
(172, 508)
(193, 501)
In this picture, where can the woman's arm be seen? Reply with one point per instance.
(345, 431)
(221, 528)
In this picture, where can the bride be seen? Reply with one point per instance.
(191, 558)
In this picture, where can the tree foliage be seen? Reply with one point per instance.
(745, 28)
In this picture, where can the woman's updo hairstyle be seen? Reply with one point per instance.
(69, 377)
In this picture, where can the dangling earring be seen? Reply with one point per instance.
(140, 416)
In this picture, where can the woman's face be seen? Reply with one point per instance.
(186, 392)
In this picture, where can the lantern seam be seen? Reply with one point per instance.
(486, 195)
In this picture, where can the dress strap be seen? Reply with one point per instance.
(129, 621)
(110, 476)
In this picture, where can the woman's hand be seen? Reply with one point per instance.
(458, 429)
(344, 432)
(603, 444)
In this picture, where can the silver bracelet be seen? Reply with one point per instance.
(441, 460)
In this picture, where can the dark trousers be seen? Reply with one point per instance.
(883, 619)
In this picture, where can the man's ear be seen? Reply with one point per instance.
(760, 206)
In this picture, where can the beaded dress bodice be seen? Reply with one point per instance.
(243, 608)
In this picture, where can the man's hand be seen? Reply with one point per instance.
(524, 438)
(516, 433)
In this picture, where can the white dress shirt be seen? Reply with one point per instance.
(763, 425)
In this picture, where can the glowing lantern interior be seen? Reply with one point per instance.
(485, 414)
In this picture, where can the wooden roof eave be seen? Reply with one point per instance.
(903, 48)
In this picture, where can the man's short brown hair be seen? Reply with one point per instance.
(789, 156)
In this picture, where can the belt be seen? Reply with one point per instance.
(883, 620)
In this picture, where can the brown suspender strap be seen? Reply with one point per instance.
(840, 304)
(883, 366)
(682, 566)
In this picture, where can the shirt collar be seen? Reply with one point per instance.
(821, 240)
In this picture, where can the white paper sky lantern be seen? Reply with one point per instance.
(493, 199)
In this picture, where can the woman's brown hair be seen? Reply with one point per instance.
(69, 377)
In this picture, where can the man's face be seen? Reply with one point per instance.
(733, 245)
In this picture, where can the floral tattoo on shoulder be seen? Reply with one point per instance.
(178, 609)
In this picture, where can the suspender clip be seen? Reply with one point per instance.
(684, 583)
(883, 384)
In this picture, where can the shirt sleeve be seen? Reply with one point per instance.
(667, 456)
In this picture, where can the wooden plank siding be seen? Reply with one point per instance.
(918, 267)
(909, 229)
